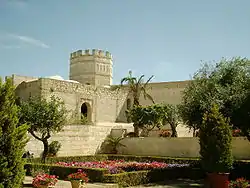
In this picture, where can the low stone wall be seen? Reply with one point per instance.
(176, 147)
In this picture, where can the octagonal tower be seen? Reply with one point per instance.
(93, 67)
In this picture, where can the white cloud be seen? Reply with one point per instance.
(11, 41)
(30, 40)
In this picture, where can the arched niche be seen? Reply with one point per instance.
(86, 111)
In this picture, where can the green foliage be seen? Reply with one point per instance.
(94, 174)
(13, 139)
(114, 142)
(123, 179)
(226, 84)
(155, 116)
(45, 117)
(216, 142)
(54, 147)
(147, 117)
(137, 87)
(127, 179)
(104, 157)
(74, 120)
(171, 116)
(84, 120)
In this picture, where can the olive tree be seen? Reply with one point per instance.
(227, 84)
(45, 117)
(155, 116)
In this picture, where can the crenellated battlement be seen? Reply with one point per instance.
(93, 52)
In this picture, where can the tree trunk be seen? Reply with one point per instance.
(174, 132)
(194, 132)
(45, 150)
(136, 101)
(136, 130)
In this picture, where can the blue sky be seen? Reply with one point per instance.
(165, 38)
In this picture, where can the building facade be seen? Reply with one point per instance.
(89, 90)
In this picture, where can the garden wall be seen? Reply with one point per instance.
(176, 147)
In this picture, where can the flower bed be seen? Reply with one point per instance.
(105, 157)
(119, 166)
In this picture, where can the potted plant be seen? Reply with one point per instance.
(215, 137)
(78, 179)
(43, 180)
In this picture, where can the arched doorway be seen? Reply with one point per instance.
(86, 111)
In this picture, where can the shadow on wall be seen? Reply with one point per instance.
(112, 142)
(121, 115)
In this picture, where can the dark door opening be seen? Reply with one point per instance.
(84, 110)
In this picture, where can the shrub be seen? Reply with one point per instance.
(216, 142)
(84, 120)
(239, 183)
(165, 133)
(114, 143)
(94, 174)
(127, 179)
(149, 176)
(54, 147)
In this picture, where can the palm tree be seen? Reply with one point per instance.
(136, 87)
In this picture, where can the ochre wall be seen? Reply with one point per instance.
(177, 147)
(165, 92)
(105, 105)
(78, 140)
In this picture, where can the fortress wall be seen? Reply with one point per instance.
(17, 79)
(71, 93)
(111, 105)
(165, 92)
(105, 104)
(29, 89)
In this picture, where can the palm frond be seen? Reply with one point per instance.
(146, 83)
(147, 96)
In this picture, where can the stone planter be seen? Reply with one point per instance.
(77, 184)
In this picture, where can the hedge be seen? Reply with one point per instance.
(127, 179)
(94, 174)
(171, 160)
(149, 176)
(241, 168)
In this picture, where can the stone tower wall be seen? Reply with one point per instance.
(91, 67)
